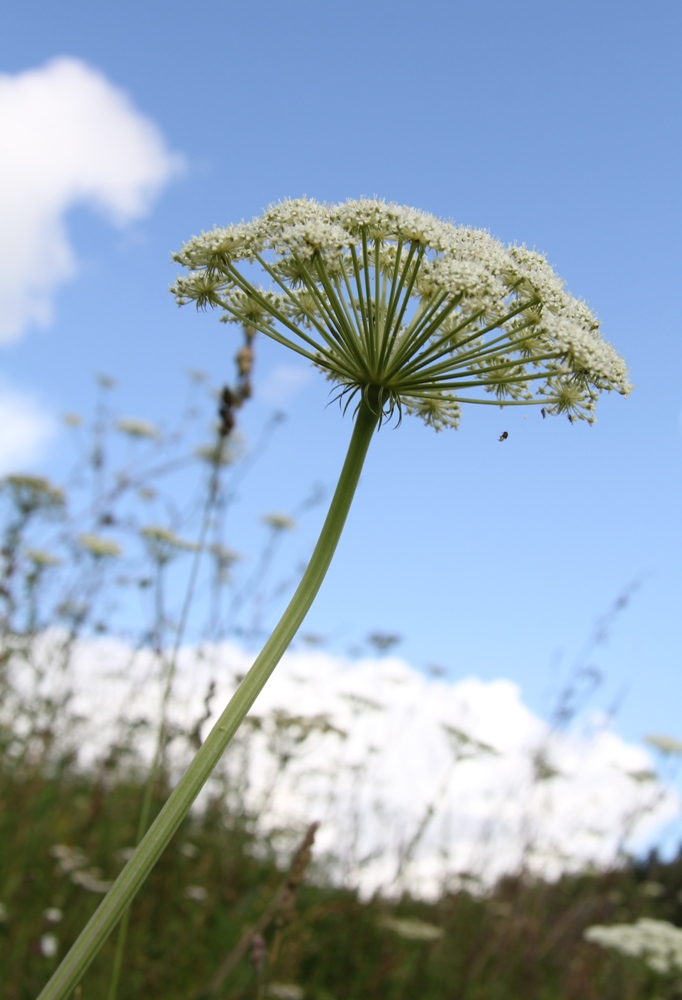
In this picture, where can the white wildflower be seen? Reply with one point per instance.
(72, 861)
(53, 914)
(90, 879)
(48, 945)
(418, 315)
(100, 548)
(285, 991)
(32, 493)
(137, 428)
(652, 889)
(197, 893)
(42, 559)
(69, 858)
(224, 556)
(664, 744)
(279, 522)
(224, 452)
(657, 942)
(163, 544)
(413, 930)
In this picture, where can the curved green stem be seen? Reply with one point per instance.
(126, 886)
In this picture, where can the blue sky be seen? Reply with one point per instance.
(557, 125)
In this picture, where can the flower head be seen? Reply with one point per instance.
(657, 942)
(135, 428)
(197, 893)
(224, 560)
(100, 548)
(279, 522)
(31, 493)
(415, 313)
(41, 558)
(49, 945)
(223, 452)
(413, 930)
(163, 544)
(285, 991)
(664, 744)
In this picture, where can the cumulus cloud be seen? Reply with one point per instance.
(27, 429)
(418, 783)
(70, 137)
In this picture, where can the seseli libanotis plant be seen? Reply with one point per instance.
(406, 314)
(412, 313)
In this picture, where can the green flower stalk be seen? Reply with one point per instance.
(405, 314)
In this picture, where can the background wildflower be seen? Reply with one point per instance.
(197, 893)
(32, 493)
(49, 945)
(99, 547)
(137, 428)
(664, 744)
(163, 543)
(657, 942)
(42, 559)
(285, 991)
(413, 930)
(279, 522)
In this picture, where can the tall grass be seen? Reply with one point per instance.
(195, 928)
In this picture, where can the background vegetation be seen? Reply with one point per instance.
(135, 545)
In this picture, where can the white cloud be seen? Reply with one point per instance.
(69, 137)
(283, 383)
(25, 430)
(373, 779)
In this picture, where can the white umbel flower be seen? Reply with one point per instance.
(657, 942)
(100, 548)
(406, 309)
(135, 428)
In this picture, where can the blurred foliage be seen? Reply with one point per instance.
(213, 885)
